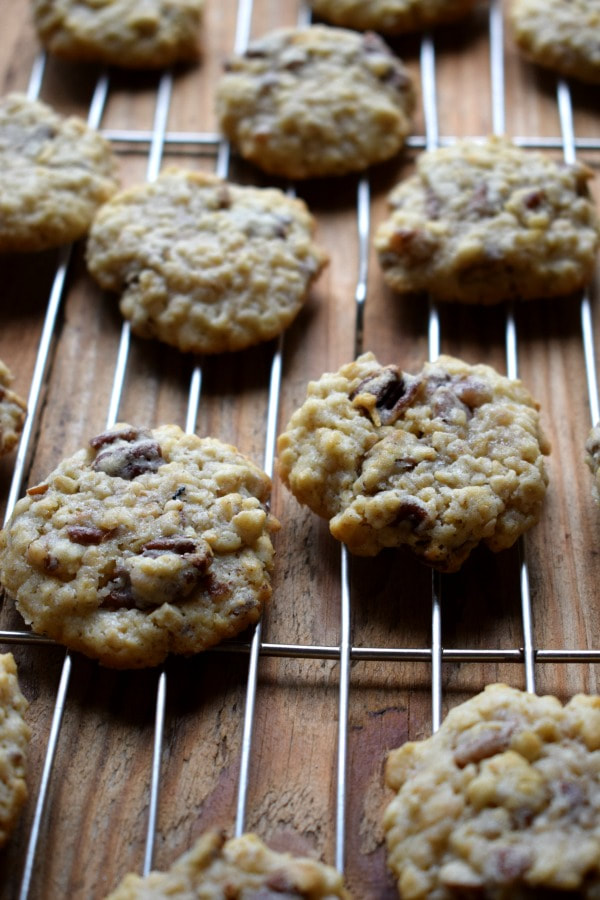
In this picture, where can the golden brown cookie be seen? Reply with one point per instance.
(14, 739)
(126, 33)
(391, 16)
(304, 102)
(204, 265)
(501, 803)
(439, 461)
(239, 869)
(486, 222)
(12, 412)
(146, 542)
(54, 174)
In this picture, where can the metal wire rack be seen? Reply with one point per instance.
(345, 652)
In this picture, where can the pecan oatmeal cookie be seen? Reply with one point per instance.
(439, 461)
(304, 102)
(204, 265)
(123, 33)
(54, 174)
(487, 222)
(501, 803)
(14, 738)
(146, 542)
(560, 35)
(391, 16)
(240, 869)
(12, 412)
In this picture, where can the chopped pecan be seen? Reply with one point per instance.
(481, 204)
(120, 593)
(486, 742)
(510, 863)
(182, 546)
(128, 459)
(412, 511)
(393, 392)
(413, 244)
(109, 437)
(88, 534)
(534, 199)
(38, 489)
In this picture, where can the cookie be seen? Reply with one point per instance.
(559, 34)
(592, 458)
(487, 222)
(438, 461)
(239, 869)
(147, 542)
(123, 33)
(304, 102)
(14, 739)
(54, 174)
(502, 802)
(391, 16)
(12, 412)
(204, 265)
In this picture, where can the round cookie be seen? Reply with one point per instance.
(391, 16)
(14, 739)
(502, 802)
(304, 102)
(12, 412)
(559, 34)
(123, 33)
(239, 869)
(145, 543)
(54, 174)
(438, 461)
(487, 222)
(204, 265)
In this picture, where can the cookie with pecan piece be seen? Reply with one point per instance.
(306, 102)
(561, 35)
(12, 411)
(240, 869)
(391, 16)
(147, 542)
(54, 174)
(438, 461)
(204, 265)
(487, 222)
(14, 739)
(501, 803)
(123, 33)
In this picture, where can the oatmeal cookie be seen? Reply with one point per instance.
(391, 16)
(501, 803)
(124, 33)
(240, 869)
(54, 174)
(146, 542)
(204, 265)
(304, 102)
(439, 461)
(487, 222)
(559, 34)
(12, 412)
(14, 738)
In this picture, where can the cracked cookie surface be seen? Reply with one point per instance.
(13, 410)
(438, 461)
(123, 33)
(14, 740)
(559, 34)
(501, 803)
(487, 222)
(240, 869)
(205, 265)
(145, 543)
(54, 174)
(304, 102)
(391, 16)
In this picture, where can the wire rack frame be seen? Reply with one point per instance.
(528, 655)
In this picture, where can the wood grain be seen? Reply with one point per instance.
(94, 826)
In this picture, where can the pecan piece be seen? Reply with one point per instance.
(126, 454)
(412, 511)
(88, 534)
(489, 741)
(393, 393)
(38, 489)
(510, 863)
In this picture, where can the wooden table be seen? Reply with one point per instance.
(93, 823)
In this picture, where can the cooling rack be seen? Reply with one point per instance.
(285, 732)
